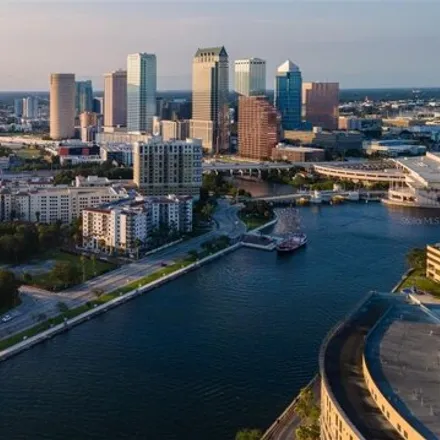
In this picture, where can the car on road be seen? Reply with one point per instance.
(6, 318)
(163, 264)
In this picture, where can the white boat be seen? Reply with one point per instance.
(316, 197)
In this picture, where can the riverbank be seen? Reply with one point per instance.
(195, 339)
(44, 331)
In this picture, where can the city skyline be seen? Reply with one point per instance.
(330, 41)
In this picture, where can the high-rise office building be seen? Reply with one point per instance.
(84, 97)
(141, 91)
(18, 107)
(98, 105)
(288, 95)
(62, 105)
(168, 167)
(30, 107)
(115, 98)
(250, 77)
(210, 90)
(258, 127)
(321, 104)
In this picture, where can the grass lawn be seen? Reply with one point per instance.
(44, 280)
(419, 280)
(28, 153)
(6, 343)
(253, 221)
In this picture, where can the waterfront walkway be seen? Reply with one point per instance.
(286, 424)
(46, 303)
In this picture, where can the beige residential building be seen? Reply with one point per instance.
(175, 130)
(49, 205)
(62, 105)
(115, 99)
(210, 89)
(168, 167)
(128, 226)
(433, 262)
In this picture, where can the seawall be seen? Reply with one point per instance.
(69, 323)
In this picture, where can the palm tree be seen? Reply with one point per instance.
(93, 259)
(83, 267)
(38, 216)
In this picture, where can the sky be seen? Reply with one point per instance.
(361, 44)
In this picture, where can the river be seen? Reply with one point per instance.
(224, 347)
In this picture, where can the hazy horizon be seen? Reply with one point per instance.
(362, 45)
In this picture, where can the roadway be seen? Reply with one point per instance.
(37, 302)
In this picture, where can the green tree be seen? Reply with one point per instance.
(65, 273)
(308, 432)
(93, 260)
(82, 260)
(9, 293)
(306, 407)
(248, 434)
(416, 258)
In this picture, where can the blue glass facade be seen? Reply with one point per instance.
(288, 98)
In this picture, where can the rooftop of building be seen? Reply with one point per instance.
(401, 343)
(425, 168)
(212, 51)
(288, 66)
(342, 367)
(403, 354)
(300, 149)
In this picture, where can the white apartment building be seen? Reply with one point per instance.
(250, 77)
(49, 205)
(127, 226)
(168, 167)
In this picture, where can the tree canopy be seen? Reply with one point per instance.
(416, 258)
(248, 434)
(8, 289)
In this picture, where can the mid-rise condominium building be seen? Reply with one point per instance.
(141, 92)
(250, 77)
(210, 90)
(126, 226)
(62, 105)
(50, 205)
(288, 95)
(321, 104)
(168, 167)
(115, 98)
(258, 127)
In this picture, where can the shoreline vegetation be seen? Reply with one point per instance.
(255, 214)
(416, 275)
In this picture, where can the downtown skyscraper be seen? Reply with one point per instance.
(321, 104)
(84, 97)
(141, 92)
(115, 99)
(250, 77)
(288, 95)
(210, 92)
(62, 105)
